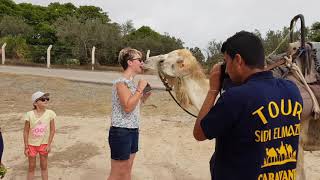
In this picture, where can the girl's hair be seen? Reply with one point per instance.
(127, 54)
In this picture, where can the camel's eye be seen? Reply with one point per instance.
(180, 61)
(161, 61)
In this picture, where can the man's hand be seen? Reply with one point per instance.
(214, 79)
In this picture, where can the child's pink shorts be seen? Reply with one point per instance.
(34, 150)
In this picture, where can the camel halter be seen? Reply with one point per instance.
(169, 89)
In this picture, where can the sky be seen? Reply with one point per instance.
(197, 22)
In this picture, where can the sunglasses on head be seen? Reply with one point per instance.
(43, 99)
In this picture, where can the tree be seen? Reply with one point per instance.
(198, 54)
(127, 28)
(315, 32)
(84, 13)
(16, 48)
(213, 53)
(57, 10)
(33, 14)
(145, 39)
(44, 34)
(14, 26)
(81, 37)
(7, 7)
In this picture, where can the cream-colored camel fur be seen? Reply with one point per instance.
(191, 86)
(185, 74)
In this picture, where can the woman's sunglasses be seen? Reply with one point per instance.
(139, 59)
(43, 99)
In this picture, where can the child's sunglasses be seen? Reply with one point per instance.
(43, 99)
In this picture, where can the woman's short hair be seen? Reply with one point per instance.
(127, 54)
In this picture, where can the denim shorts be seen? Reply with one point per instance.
(123, 142)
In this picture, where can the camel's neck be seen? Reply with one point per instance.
(197, 90)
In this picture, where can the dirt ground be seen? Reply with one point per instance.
(80, 149)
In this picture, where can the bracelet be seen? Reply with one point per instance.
(213, 90)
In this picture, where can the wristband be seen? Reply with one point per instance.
(213, 90)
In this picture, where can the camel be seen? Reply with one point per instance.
(282, 152)
(272, 155)
(289, 149)
(184, 73)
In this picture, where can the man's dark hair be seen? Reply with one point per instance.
(248, 45)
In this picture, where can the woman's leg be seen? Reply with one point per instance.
(44, 166)
(120, 147)
(120, 170)
(32, 167)
(132, 156)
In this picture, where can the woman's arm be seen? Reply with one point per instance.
(127, 100)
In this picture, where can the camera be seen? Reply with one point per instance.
(225, 80)
(147, 89)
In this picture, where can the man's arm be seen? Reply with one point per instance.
(208, 102)
(207, 105)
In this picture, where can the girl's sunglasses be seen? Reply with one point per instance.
(44, 99)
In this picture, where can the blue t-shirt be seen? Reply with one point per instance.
(256, 126)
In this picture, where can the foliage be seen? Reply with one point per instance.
(83, 36)
(198, 54)
(127, 28)
(16, 47)
(315, 32)
(213, 53)
(145, 39)
(14, 26)
(29, 29)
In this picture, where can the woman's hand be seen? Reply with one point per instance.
(142, 84)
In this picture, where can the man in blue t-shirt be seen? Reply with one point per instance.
(256, 123)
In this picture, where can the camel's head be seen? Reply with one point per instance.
(177, 63)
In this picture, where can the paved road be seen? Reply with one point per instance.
(101, 77)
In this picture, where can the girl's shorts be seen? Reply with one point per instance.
(34, 150)
(123, 142)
